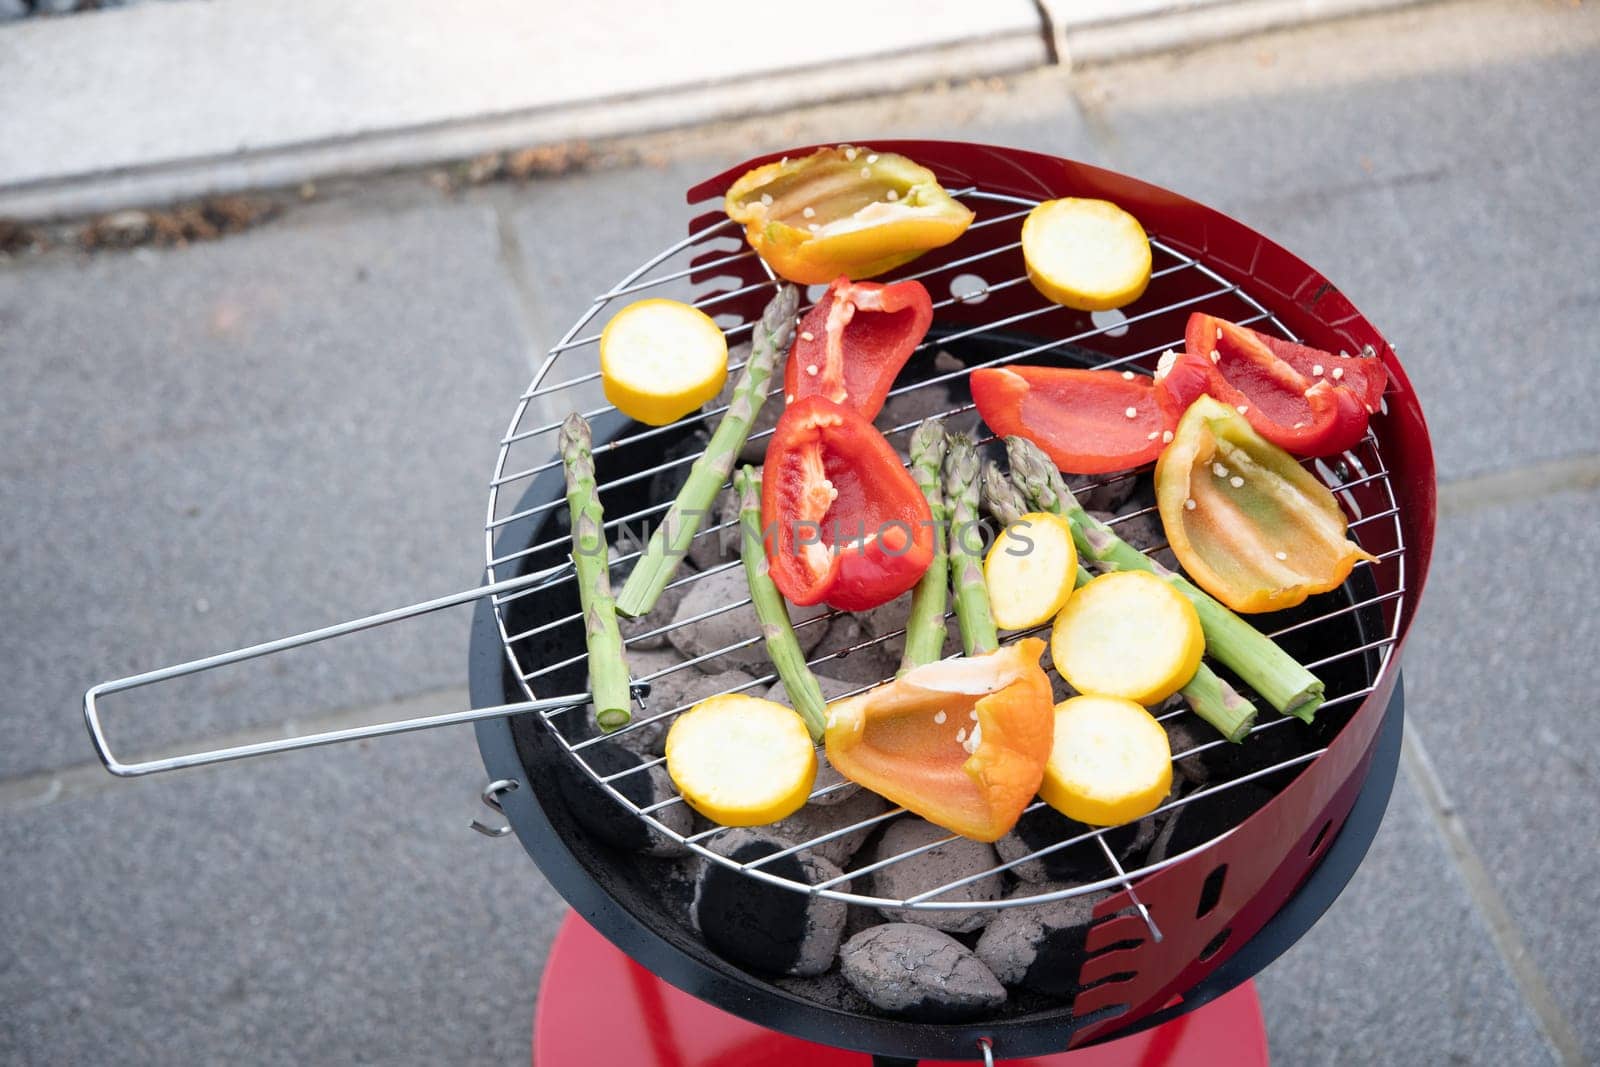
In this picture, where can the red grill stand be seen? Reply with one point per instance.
(597, 1006)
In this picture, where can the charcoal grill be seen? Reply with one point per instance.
(1171, 927)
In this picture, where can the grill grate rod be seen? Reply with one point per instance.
(1365, 462)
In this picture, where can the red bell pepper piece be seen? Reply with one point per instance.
(1366, 377)
(843, 521)
(1236, 366)
(1087, 421)
(854, 341)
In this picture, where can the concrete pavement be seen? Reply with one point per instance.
(294, 426)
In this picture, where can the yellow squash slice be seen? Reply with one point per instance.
(1110, 761)
(1030, 570)
(1128, 634)
(1086, 254)
(660, 360)
(741, 761)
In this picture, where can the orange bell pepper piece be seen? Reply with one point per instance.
(961, 742)
(1249, 525)
(843, 210)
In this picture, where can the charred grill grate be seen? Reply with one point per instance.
(1346, 638)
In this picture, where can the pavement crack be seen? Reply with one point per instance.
(1491, 906)
(1519, 485)
(531, 319)
(42, 789)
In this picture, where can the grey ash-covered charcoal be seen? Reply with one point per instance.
(832, 689)
(1186, 733)
(917, 972)
(648, 631)
(909, 409)
(603, 816)
(722, 628)
(762, 927)
(1039, 946)
(1078, 863)
(933, 868)
(854, 655)
(1109, 492)
(838, 788)
(814, 820)
(718, 539)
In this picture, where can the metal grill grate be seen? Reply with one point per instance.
(692, 270)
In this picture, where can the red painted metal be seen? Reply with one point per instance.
(1271, 853)
(597, 1006)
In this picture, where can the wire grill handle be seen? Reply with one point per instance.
(135, 769)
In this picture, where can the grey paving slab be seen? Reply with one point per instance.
(219, 445)
(1503, 674)
(326, 907)
(1401, 969)
(1452, 207)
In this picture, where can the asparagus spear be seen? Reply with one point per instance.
(1003, 499)
(925, 628)
(670, 541)
(1211, 698)
(978, 634)
(782, 647)
(1220, 704)
(608, 670)
(1269, 670)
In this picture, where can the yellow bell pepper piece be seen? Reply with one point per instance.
(1249, 525)
(844, 210)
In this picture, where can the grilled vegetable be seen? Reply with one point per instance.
(925, 630)
(854, 341)
(1262, 665)
(1030, 570)
(1218, 703)
(1086, 254)
(961, 742)
(961, 473)
(741, 761)
(1128, 635)
(1309, 414)
(843, 210)
(660, 360)
(1208, 695)
(782, 648)
(1250, 525)
(1363, 375)
(1001, 496)
(670, 540)
(1087, 421)
(1110, 761)
(845, 522)
(608, 669)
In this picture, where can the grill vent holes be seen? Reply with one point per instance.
(1113, 322)
(969, 288)
(1211, 892)
(1322, 836)
(1214, 946)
